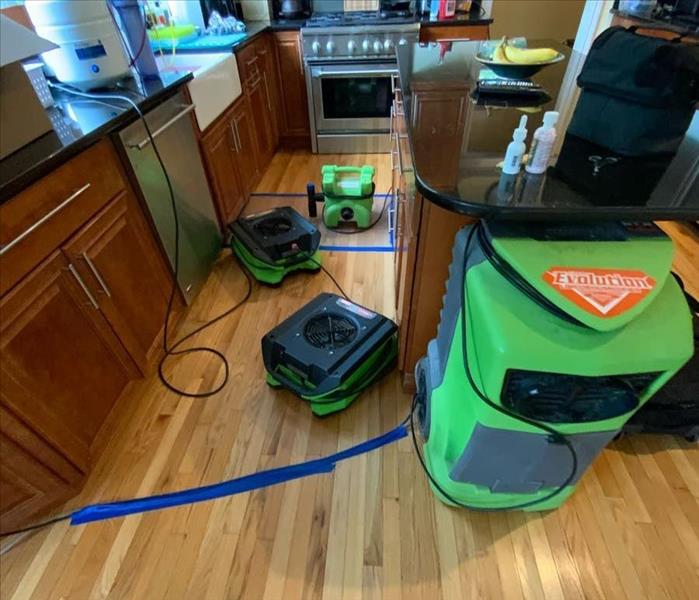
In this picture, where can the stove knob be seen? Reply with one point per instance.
(366, 46)
(402, 42)
(378, 46)
(388, 45)
(330, 47)
(315, 46)
(351, 46)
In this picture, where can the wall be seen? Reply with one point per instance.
(555, 19)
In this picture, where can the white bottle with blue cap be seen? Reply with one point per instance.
(516, 149)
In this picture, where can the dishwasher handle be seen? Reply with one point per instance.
(143, 143)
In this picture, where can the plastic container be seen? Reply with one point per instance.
(134, 29)
(91, 53)
(542, 144)
(516, 148)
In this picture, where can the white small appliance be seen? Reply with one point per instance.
(90, 53)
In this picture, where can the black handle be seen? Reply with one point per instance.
(312, 199)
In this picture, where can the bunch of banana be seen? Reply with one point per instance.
(506, 54)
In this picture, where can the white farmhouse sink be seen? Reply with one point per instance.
(216, 82)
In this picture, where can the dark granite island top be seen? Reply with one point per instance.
(457, 143)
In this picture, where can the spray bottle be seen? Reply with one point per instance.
(542, 144)
(516, 149)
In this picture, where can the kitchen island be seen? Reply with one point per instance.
(448, 145)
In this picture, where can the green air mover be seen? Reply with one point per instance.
(348, 193)
(551, 338)
(276, 242)
(329, 351)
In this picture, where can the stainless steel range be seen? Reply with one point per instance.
(351, 67)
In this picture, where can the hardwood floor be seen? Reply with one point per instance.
(372, 529)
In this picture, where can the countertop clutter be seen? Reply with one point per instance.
(79, 123)
(458, 138)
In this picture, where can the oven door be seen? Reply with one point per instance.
(353, 97)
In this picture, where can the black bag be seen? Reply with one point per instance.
(638, 93)
(675, 408)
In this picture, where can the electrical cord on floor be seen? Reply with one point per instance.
(555, 436)
(329, 274)
(171, 350)
(368, 227)
(46, 523)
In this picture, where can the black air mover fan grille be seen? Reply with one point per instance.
(272, 226)
(329, 330)
(556, 398)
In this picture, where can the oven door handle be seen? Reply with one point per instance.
(344, 74)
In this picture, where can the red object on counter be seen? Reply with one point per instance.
(447, 9)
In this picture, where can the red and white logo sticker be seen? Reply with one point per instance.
(601, 292)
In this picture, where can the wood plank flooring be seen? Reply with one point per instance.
(372, 529)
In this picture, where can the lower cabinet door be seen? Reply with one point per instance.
(116, 257)
(246, 145)
(34, 477)
(61, 365)
(220, 150)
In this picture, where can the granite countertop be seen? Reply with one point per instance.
(457, 143)
(74, 130)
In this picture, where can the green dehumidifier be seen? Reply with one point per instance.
(276, 242)
(551, 338)
(348, 193)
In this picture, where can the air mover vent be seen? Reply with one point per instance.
(273, 226)
(329, 330)
(556, 398)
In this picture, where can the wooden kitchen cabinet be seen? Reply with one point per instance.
(294, 126)
(34, 477)
(82, 308)
(246, 148)
(424, 232)
(116, 257)
(221, 157)
(62, 365)
(256, 73)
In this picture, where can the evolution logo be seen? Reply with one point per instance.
(601, 292)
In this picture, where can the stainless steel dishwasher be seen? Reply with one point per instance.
(200, 237)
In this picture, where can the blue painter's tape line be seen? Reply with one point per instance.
(254, 481)
(298, 195)
(356, 248)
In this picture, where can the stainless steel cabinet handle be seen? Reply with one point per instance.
(238, 143)
(43, 219)
(393, 116)
(81, 283)
(143, 143)
(269, 102)
(394, 153)
(97, 275)
(235, 136)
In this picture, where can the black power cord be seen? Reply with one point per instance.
(555, 436)
(171, 350)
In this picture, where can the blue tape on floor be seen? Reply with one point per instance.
(357, 248)
(247, 483)
(299, 194)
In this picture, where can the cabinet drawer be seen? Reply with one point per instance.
(250, 64)
(36, 221)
